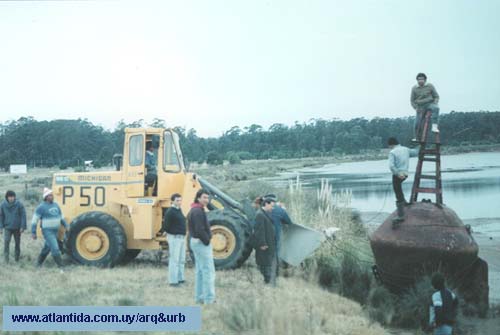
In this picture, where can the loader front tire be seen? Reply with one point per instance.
(97, 239)
(230, 239)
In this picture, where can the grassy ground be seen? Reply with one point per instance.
(298, 305)
(244, 305)
(307, 301)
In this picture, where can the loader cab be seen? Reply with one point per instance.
(144, 148)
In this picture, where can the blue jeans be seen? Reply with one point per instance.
(176, 258)
(50, 246)
(419, 122)
(443, 330)
(205, 272)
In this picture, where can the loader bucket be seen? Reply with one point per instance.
(299, 242)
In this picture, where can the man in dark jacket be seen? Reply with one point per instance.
(13, 221)
(265, 241)
(443, 308)
(174, 224)
(199, 230)
(279, 217)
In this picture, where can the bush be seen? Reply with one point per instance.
(413, 305)
(252, 190)
(43, 181)
(32, 195)
(244, 314)
(214, 158)
(245, 155)
(355, 280)
(234, 159)
(328, 271)
(380, 305)
(63, 166)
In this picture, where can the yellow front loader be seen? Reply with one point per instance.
(113, 215)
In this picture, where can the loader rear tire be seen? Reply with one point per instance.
(97, 239)
(230, 239)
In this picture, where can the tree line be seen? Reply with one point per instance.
(66, 143)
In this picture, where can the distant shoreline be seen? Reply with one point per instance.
(370, 155)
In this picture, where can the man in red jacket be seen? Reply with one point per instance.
(199, 230)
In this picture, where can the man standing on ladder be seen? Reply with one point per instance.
(424, 97)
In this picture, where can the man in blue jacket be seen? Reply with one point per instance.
(279, 216)
(50, 216)
(13, 221)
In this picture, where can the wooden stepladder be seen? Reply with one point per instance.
(428, 154)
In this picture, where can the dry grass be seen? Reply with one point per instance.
(244, 304)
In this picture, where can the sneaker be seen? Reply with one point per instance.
(435, 128)
(182, 281)
(174, 285)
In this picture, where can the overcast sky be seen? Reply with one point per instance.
(210, 65)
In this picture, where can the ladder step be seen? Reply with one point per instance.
(426, 159)
(428, 190)
(430, 152)
(426, 176)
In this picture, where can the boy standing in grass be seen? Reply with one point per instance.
(13, 221)
(443, 307)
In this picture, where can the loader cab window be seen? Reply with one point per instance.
(136, 150)
(170, 157)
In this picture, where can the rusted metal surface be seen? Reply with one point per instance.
(430, 238)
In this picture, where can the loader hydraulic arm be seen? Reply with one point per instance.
(225, 199)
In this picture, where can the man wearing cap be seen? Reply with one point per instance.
(13, 221)
(279, 217)
(50, 216)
